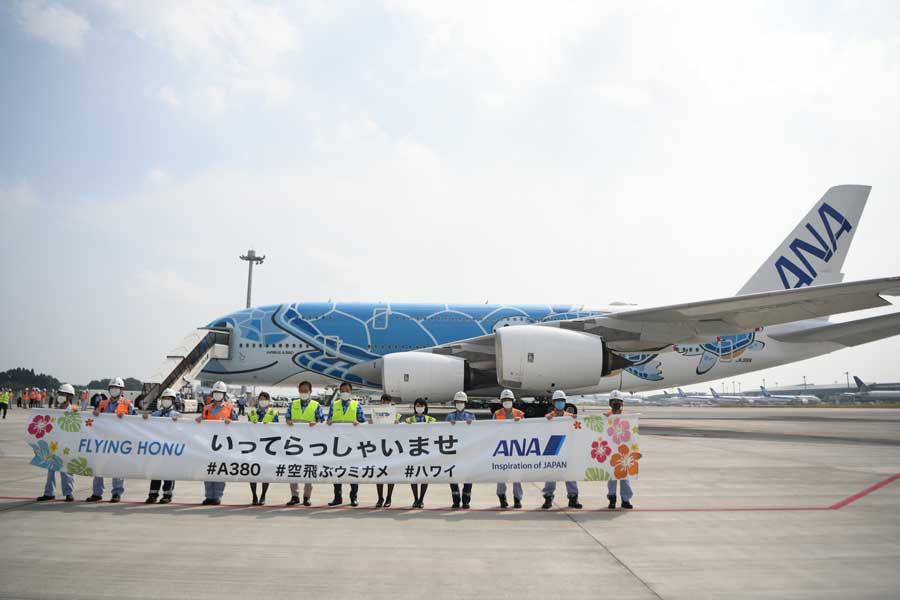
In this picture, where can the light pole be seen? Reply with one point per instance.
(804, 384)
(251, 258)
(847, 374)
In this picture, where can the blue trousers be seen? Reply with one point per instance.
(66, 480)
(571, 489)
(624, 487)
(118, 486)
(214, 489)
(518, 494)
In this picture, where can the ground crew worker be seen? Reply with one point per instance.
(262, 413)
(616, 403)
(559, 410)
(345, 410)
(120, 406)
(85, 401)
(460, 414)
(35, 398)
(4, 401)
(65, 400)
(219, 409)
(20, 399)
(165, 408)
(379, 487)
(505, 413)
(420, 415)
(303, 410)
(44, 398)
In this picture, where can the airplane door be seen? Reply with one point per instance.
(380, 318)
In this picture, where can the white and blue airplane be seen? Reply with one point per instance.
(413, 350)
(789, 398)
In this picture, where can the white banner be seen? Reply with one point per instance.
(564, 449)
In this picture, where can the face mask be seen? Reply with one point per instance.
(560, 404)
(345, 395)
(507, 404)
(264, 404)
(114, 392)
(460, 406)
(166, 403)
(419, 409)
(304, 396)
(218, 396)
(62, 401)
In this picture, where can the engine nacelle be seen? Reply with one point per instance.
(411, 375)
(548, 358)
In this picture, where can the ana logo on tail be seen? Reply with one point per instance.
(834, 224)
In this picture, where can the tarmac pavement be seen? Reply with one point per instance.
(731, 503)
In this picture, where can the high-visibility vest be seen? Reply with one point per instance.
(412, 419)
(338, 415)
(269, 417)
(4, 397)
(224, 413)
(609, 413)
(567, 414)
(500, 415)
(84, 396)
(303, 415)
(121, 408)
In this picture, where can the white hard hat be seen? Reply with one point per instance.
(219, 386)
(559, 395)
(66, 388)
(167, 393)
(460, 397)
(616, 395)
(507, 395)
(116, 382)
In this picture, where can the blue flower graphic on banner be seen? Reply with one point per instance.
(44, 457)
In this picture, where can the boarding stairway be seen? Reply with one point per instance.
(184, 362)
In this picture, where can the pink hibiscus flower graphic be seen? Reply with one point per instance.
(40, 426)
(600, 450)
(619, 431)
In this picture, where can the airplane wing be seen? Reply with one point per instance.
(655, 329)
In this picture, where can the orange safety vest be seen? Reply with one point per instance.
(84, 396)
(35, 395)
(500, 415)
(121, 408)
(225, 413)
(553, 412)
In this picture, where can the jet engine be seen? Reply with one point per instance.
(548, 358)
(411, 375)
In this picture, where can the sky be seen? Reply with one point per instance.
(406, 150)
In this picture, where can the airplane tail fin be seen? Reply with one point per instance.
(814, 252)
(681, 393)
(860, 385)
(714, 392)
(765, 392)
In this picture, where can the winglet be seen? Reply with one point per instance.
(814, 252)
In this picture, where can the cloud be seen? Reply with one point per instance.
(232, 47)
(53, 23)
(158, 177)
(18, 197)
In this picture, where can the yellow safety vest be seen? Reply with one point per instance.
(270, 415)
(4, 398)
(410, 420)
(339, 416)
(303, 415)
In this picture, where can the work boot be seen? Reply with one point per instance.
(93, 498)
(70, 499)
(353, 501)
(626, 505)
(380, 503)
(612, 501)
(573, 502)
(255, 500)
(166, 499)
(294, 500)
(465, 501)
(207, 501)
(517, 503)
(115, 498)
(45, 498)
(503, 502)
(151, 499)
(455, 501)
(337, 501)
(548, 502)
(306, 501)
(262, 500)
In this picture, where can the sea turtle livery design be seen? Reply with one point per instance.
(725, 348)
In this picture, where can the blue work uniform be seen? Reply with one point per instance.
(216, 489)
(320, 418)
(66, 481)
(460, 415)
(118, 485)
(168, 486)
(550, 486)
(360, 418)
(261, 414)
